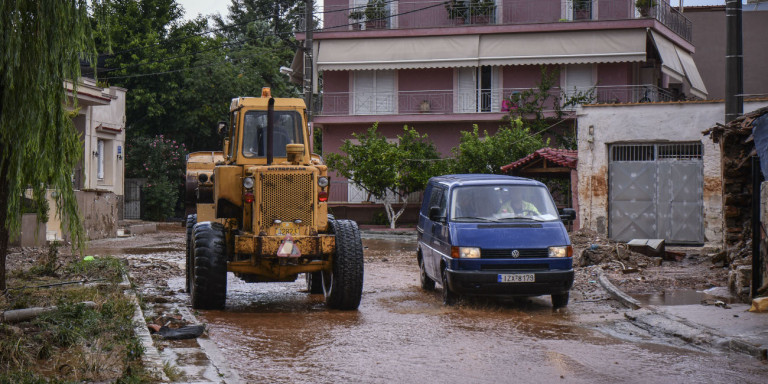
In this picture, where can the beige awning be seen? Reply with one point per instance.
(692, 73)
(297, 67)
(574, 47)
(670, 64)
(397, 53)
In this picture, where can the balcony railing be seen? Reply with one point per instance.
(409, 14)
(484, 101)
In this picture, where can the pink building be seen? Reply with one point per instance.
(441, 66)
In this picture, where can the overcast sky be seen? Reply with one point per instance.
(207, 7)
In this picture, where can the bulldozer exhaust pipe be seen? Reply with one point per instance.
(270, 129)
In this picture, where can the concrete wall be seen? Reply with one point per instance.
(599, 126)
(98, 212)
(709, 39)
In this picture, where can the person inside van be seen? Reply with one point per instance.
(519, 206)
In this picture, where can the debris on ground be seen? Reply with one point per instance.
(637, 273)
(759, 304)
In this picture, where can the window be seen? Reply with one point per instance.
(494, 203)
(477, 90)
(578, 78)
(578, 9)
(287, 130)
(374, 92)
(100, 161)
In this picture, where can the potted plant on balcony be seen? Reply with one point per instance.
(375, 14)
(482, 11)
(645, 6)
(458, 10)
(582, 9)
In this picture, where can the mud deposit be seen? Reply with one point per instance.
(278, 333)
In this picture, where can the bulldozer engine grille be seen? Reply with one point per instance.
(287, 197)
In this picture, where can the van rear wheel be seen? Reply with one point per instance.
(560, 300)
(343, 284)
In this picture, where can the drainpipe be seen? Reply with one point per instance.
(734, 61)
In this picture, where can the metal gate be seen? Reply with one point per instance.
(132, 203)
(656, 192)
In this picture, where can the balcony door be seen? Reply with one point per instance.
(476, 90)
(374, 93)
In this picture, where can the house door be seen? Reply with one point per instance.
(656, 192)
(374, 93)
(476, 90)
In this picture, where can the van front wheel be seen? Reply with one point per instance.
(560, 300)
(449, 298)
(427, 284)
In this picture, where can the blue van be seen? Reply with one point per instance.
(493, 235)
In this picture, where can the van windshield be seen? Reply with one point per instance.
(495, 203)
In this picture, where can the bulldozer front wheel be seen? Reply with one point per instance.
(191, 221)
(343, 285)
(209, 286)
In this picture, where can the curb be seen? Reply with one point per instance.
(617, 294)
(653, 319)
(155, 362)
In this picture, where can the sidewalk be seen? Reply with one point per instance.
(731, 327)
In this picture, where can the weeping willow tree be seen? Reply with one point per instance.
(42, 44)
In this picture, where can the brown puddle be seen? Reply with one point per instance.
(681, 297)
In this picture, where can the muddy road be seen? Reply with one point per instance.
(279, 333)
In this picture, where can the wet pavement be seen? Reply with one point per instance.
(277, 332)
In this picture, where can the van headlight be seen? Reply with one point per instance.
(566, 251)
(465, 252)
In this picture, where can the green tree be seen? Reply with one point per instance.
(545, 106)
(388, 171)
(487, 153)
(43, 42)
(162, 162)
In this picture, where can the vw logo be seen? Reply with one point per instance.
(515, 253)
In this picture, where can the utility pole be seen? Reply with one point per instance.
(734, 61)
(309, 25)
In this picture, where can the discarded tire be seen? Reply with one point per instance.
(343, 285)
(209, 287)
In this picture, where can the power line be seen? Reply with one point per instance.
(243, 41)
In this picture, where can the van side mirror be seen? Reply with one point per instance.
(434, 214)
(222, 128)
(568, 214)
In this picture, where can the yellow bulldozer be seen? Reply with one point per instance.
(259, 209)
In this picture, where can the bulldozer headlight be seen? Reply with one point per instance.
(248, 182)
(322, 181)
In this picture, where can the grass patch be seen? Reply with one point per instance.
(74, 342)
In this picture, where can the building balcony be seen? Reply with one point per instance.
(410, 14)
(448, 102)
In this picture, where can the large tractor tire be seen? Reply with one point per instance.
(209, 285)
(314, 282)
(343, 285)
(191, 221)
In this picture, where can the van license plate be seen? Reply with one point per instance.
(517, 278)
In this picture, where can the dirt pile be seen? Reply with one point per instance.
(633, 272)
